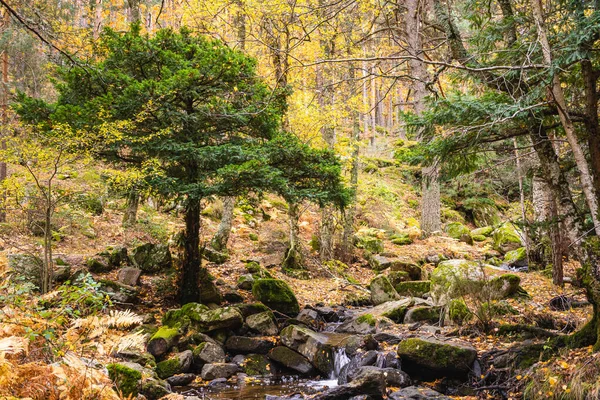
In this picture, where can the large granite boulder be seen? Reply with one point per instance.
(292, 360)
(430, 357)
(507, 237)
(382, 290)
(454, 278)
(151, 258)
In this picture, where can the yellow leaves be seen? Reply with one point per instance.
(564, 365)
(552, 380)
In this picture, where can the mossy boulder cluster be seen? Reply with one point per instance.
(456, 230)
(507, 237)
(436, 358)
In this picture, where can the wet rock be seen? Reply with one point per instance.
(246, 345)
(263, 323)
(207, 353)
(291, 359)
(154, 389)
(367, 382)
(433, 357)
(177, 364)
(257, 365)
(312, 345)
(385, 337)
(231, 296)
(392, 377)
(129, 276)
(277, 295)
(151, 258)
(417, 393)
(219, 370)
(181, 379)
(365, 323)
(382, 290)
(203, 319)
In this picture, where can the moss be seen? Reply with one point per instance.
(253, 267)
(253, 237)
(184, 316)
(458, 312)
(367, 319)
(505, 285)
(423, 313)
(167, 368)
(456, 230)
(251, 308)
(276, 294)
(126, 379)
(397, 314)
(256, 364)
(478, 238)
(396, 277)
(485, 231)
(413, 288)
(507, 237)
(515, 256)
(370, 244)
(165, 332)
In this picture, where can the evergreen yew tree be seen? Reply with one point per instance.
(180, 106)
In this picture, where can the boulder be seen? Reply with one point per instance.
(181, 379)
(425, 356)
(413, 288)
(292, 360)
(309, 317)
(458, 312)
(417, 393)
(245, 282)
(119, 292)
(256, 365)
(516, 258)
(316, 347)
(248, 345)
(382, 290)
(395, 277)
(367, 383)
(26, 267)
(207, 353)
(62, 273)
(484, 213)
(233, 297)
(485, 231)
(392, 377)
(454, 278)
(366, 323)
(408, 266)
(263, 323)
(98, 265)
(507, 237)
(151, 258)
(129, 276)
(370, 244)
(176, 364)
(277, 295)
(215, 256)
(248, 309)
(504, 286)
(455, 230)
(202, 319)
(117, 256)
(423, 314)
(155, 389)
(126, 379)
(219, 370)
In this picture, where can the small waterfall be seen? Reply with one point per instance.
(340, 359)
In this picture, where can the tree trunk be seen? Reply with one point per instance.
(293, 258)
(522, 202)
(134, 10)
(3, 166)
(219, 241)
(565, 119)
(131, 207)
(347, 242)
(191, 263)
(430, 202)
(97, 28)
(592, 125)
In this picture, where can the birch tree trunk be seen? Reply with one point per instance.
(221, 237)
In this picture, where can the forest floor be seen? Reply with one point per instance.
(259, 233)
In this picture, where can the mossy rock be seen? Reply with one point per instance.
(433, 356)
(98, 265)
(450, 215)
(126, 379)
(248, 309)
(382, 290)
(414, 271)
(505, 285)
(478, 238)
(245, 282)
(163, 340)
(167, 368)
(507, 237)
(117, 256)
(458, 312)
(151, 258)
(184, 316)
(401, 239)
(257, 365)
(485, 214)
(276, 294)
(456, 278)
(422, 314)
(395, 277)
(257, 271)
(485, 231)
(516, 258)
(215, 256)
(370, 244)
(413, 288)
(455, 230)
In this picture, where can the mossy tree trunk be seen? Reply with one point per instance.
(131, 207)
